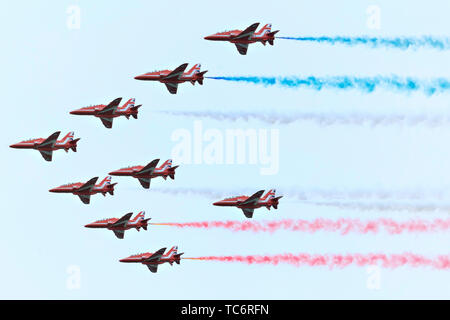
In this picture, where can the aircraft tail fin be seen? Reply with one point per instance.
(128, 105)
(166, 165)
(172, 252)
(194, 70)
(67, 138)
(264, 30)
(269, 195)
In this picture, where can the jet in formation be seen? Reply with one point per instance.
(243, 38)
(107, 113)
(85, 190)
(120, 225)
(249, 204)
(145, 173)
(47, 146)
(172, 78)
(152, 260)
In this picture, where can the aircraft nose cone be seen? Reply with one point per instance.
(89, 225)
(15, 145)
(141, 77)
(113, 173)
(53, 190)
(216, 203)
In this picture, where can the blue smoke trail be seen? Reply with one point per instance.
(373, 42)
(364, 84)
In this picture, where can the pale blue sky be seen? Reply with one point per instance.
(48, 70)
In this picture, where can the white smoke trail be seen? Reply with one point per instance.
(323, 120)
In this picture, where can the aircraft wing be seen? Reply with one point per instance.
(253, 198)
(122, 222)
(119, 233)
(88, 185)
(152, 267)
(176, 74)
(247, 33)
(50, 141)
(155, 257)
(145, 182)
(248, 212)
(47, 155)
(85, 198)
(107, 122)
(149, 168)
(111, 107)
(172, 87)
(242, 48)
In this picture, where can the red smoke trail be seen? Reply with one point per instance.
(343, 226)
(391, 261)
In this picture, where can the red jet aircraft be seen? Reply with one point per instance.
(243, 38)
(47, 146)
(172, 78)
(248, 204)
(109, 112)
(145, 174)
(85, 190)
(119, 226)
(152, 260)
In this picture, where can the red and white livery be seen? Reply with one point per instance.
(107, 113)
(243, 38)
(249, 204)
(85, 190)
(120, 225)
(47, 146)
(145, 173)
(152, 260)
(172, 78)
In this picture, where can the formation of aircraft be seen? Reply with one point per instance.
(243, 38)
(47, 146)
(85, 190)
(120, 225)
(152, 260)
(145, 173)
(249, 204)
(171, 78)
(108, 112)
